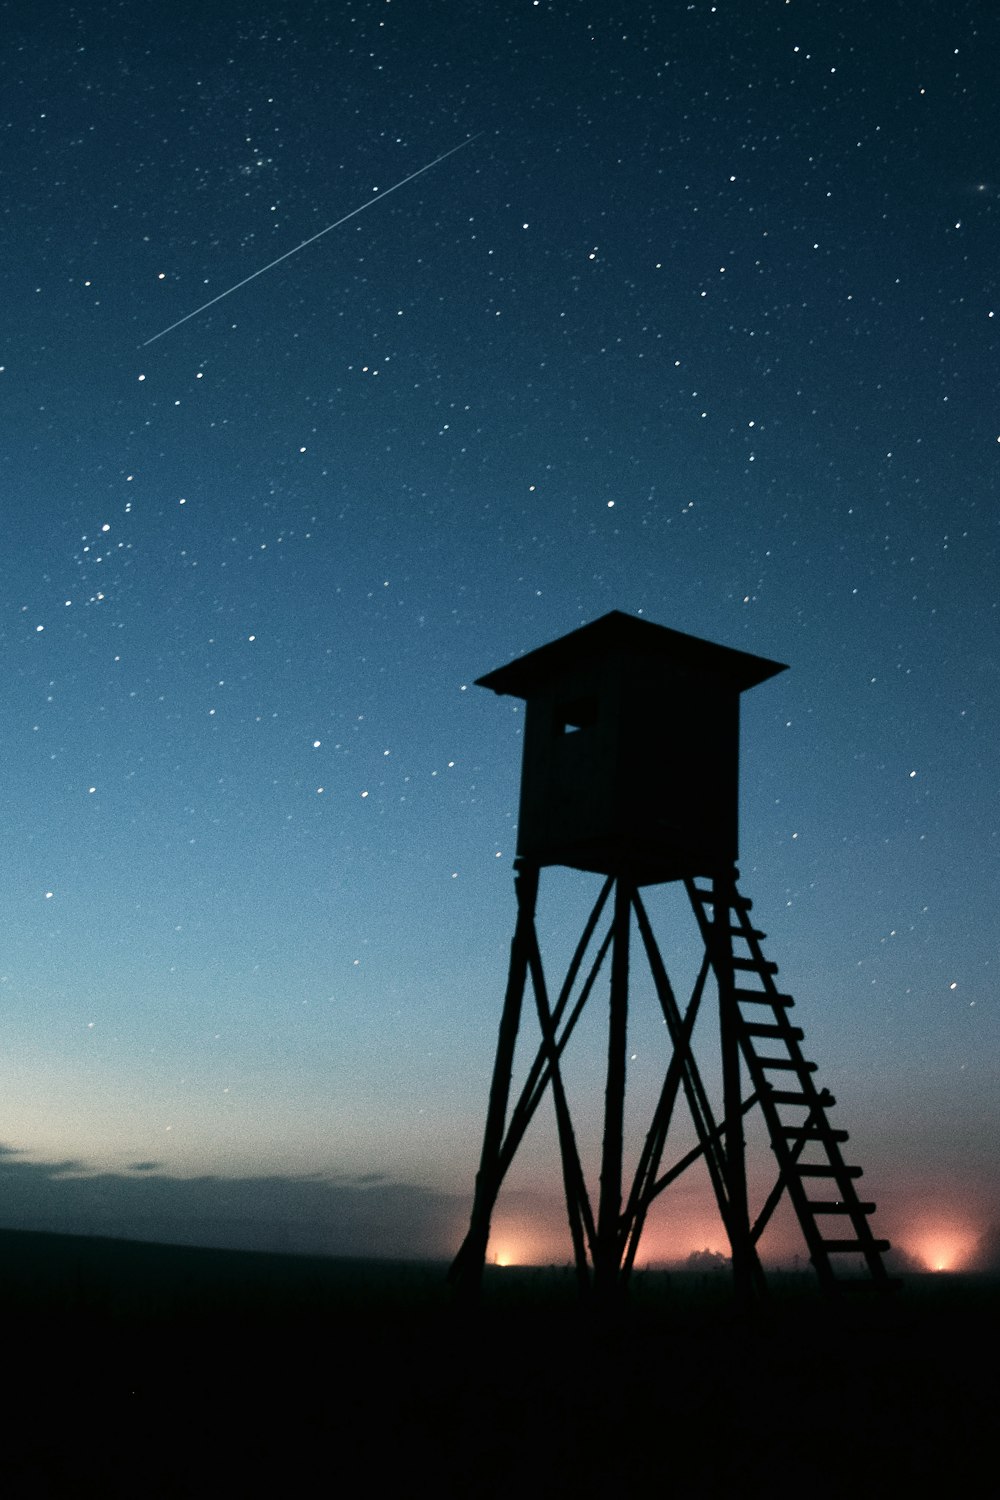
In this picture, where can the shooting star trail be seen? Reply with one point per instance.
(311, 240)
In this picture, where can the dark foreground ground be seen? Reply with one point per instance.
(142, 1370)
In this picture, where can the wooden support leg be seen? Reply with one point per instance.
(738, 1224)
(467, 1268)
(607, 1279)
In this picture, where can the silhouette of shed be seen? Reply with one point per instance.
(631, 748)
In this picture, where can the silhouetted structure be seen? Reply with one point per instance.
(631, 754)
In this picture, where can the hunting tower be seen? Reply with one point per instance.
(631, 771)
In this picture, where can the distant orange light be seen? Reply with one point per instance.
(511, 1248)
(943, 1247)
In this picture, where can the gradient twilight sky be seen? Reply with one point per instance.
(704, 325)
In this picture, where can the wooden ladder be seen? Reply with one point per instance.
(835, 1224)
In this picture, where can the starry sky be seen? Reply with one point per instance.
(700, 323)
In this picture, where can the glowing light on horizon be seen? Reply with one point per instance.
(942, 1247)
(520, 1245)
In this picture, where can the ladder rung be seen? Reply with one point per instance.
(748, 932)
(761, 997)
(836, 1247)
(840, 1207)
(755, 965)
(813, 1133)
(823, 1098)
(788, 1063)
(765, 1028)
(823, 1169)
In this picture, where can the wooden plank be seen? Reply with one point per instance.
(761, 997)
(823, 1169)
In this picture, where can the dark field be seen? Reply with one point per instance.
(139, 1370)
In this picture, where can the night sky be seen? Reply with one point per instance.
(703, 325)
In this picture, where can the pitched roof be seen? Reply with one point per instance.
(631, 636)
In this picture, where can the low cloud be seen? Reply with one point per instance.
(366, 1215)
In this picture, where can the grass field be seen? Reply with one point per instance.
(139, 1370)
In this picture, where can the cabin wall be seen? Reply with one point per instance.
(628, 764)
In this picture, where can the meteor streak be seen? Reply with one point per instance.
(312, 238)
